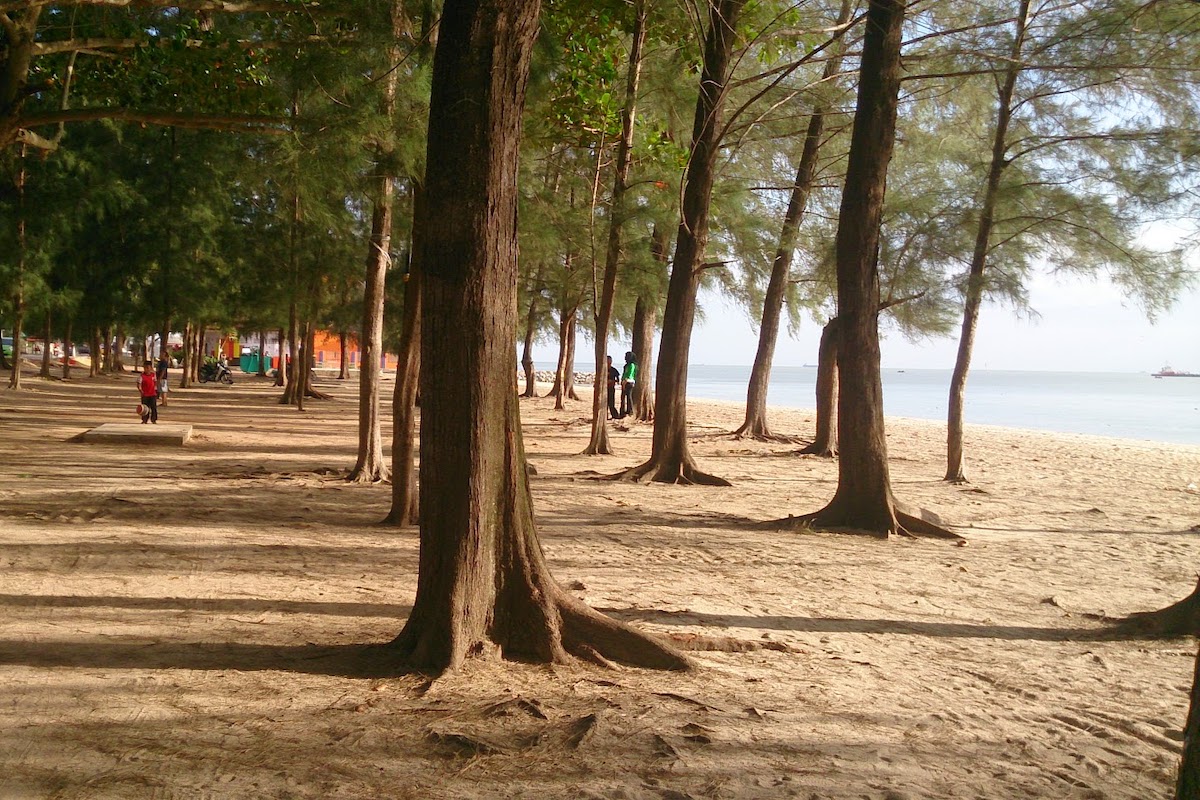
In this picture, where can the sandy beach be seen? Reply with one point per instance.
(170, 614)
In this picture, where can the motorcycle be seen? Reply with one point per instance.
(215, 371)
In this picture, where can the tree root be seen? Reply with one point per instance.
(726, 644)
(814, 449)
(762, 436)
(591, 636)
(683, 474)
(1176, 620)
(910, 522)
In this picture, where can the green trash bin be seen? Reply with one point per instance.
(249, 362)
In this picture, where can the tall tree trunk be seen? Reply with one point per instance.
(405, 503)
(1188, 785)
(291, 386)
(119, 352)
(527, 350)
(372, 466)
(755, 425)
(483, 585)
(863, 500)
(198, 346)
(281, 369)
(185, 371)
(108, 349)
(599, 441)
(343, 352)
(47, 332)
(302, 370)
(644, 318)
(262, 354)
(670, 461)
(975, 281)
(68, 350)
(14, 378)
(825, 442)
(569, 359)
(94, 364)
(566, 321)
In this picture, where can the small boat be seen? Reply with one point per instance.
(1167, 372)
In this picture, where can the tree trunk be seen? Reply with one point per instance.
(483, 584)
(755, 425)
(293, 335)
(68, 349)
(527, 350)
(109, 357)
(1188, 787)
(670, 461)
(975, 281)
(371, 466)
(262, 354)
(566, 322)
(599, 443)
(644, 317)
(405, 503)
(97, 366)
(825, 442)
(46, 333)
(343, 366)
(14, 378)
(569, 367)
(863, 500)
(281, 369)
(198, 346)
(119, 354)
(185, 367)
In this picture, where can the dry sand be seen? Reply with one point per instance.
(169, 615)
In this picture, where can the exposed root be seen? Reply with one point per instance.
(909, 521)
(683, 474)
(762, 436)
(816, 449)
(587, 634)
(726, 644)
(916, 526)
(318, 395)
(1177, 619)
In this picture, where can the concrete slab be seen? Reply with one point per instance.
(137, 433)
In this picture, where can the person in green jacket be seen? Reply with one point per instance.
(628, 382)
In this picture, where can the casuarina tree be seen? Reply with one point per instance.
(483, 584)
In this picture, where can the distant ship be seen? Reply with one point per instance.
(1167, 372)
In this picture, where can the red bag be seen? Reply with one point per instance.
(141, 410)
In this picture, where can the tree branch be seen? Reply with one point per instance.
(219, 6)
(230, 122)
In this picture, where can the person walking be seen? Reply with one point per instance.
(148, 387)
(628, 382)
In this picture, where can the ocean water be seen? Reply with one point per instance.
(1127, 406)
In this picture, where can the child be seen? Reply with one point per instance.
(148, 387)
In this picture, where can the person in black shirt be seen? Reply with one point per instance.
(614, 377)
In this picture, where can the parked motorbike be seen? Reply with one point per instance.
(216, 372)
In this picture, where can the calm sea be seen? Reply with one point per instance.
(1133, 406)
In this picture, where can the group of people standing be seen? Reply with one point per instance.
(627, 377)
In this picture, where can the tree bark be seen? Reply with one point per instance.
(599, 444)
(44, 372)
(68, 350)
(755, 424)
(405, 499)
(527, 349)
(644, 317)
(975, 281)
(343, 353)
(262, 354)
(281, 369)
(108, 349)
(863, 500)
(483, 584)
(566, 371)
(825, 442)
(670, 461)
(119, 352)
(1188, 786)
(293, 335)
(14, 378)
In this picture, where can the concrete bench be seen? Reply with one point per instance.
(137, 433)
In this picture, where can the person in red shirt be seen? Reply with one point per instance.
(148, 386)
